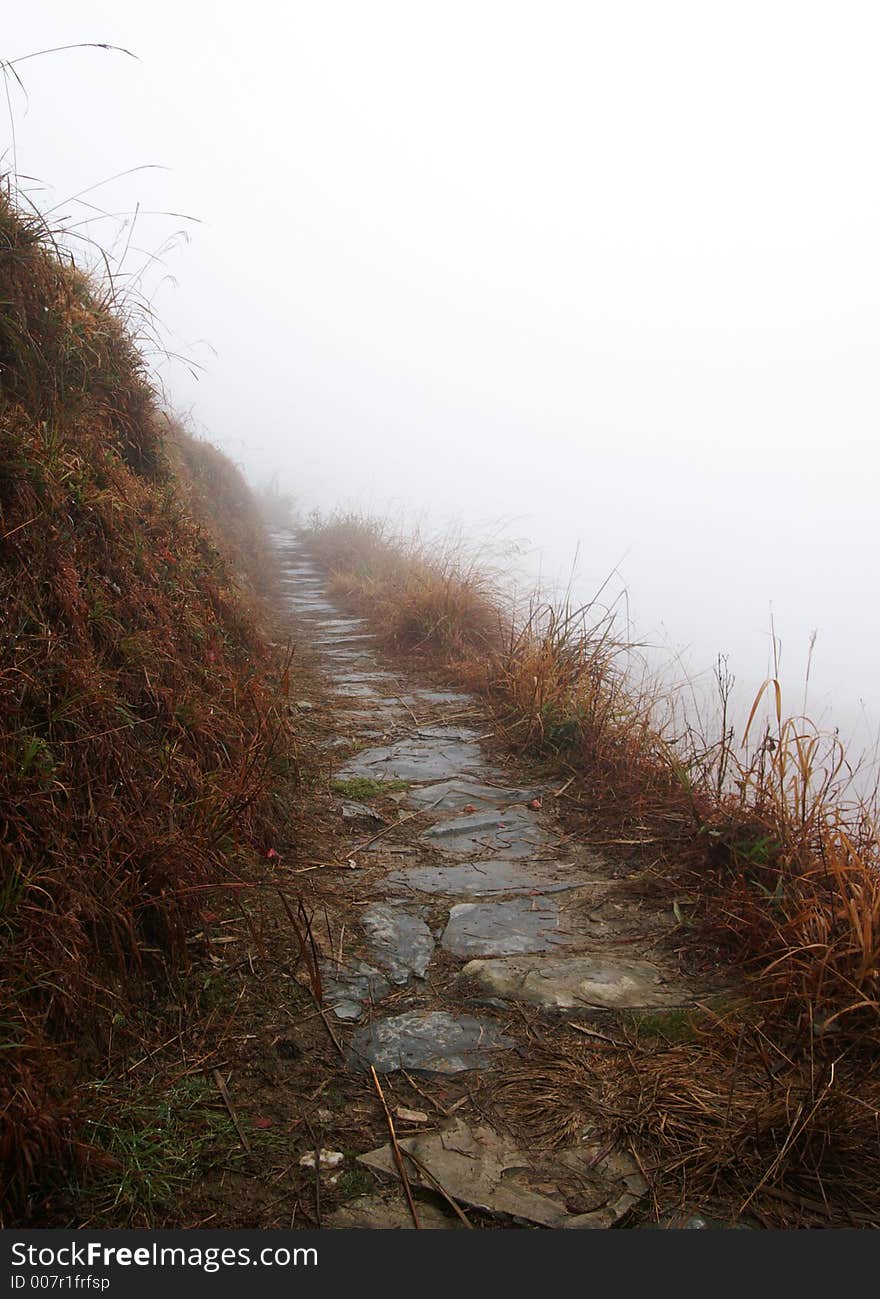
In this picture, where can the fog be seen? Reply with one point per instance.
(606, 272)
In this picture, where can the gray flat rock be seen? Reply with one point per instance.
(342, 656)
(433, 753)
(453, 795)
(353, 640)
(360, 690)
(429, 1041)
(354, 811)
(350, 988)
(400, 943)
(310, 604)
(494, 877)
(343, 626)
(422, 695)
(503, 928)
(364, 677)
(486, 1170)
(514, 833)
(602, 980)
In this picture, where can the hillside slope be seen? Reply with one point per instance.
(137, 720)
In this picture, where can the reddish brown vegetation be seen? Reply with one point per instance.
(137, 721)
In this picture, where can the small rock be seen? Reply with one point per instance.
(410, 1116)
(303, 706)
(326, 1159)
(352, 811)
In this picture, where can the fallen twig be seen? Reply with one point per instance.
(398, 1158)
(440, 1189)
(221, 1087)
(591, 1032)
(359, 847)
(317, 1147)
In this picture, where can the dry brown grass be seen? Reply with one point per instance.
(729, 1124)
(420, 594)
(222, 503)
(138, 725)
(782, 863)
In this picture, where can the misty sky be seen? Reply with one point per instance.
(608, 271)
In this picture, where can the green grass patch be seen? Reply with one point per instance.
(362, 787)
(676, 1025)
(684, 1023)
(154, 1150)
(353, 1183)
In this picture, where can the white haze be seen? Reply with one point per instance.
(608, 271)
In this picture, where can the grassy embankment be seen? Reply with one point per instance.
(140, 732)
(773, 1107)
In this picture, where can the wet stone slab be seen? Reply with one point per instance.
(588, 1186)
(309, 604)
(306, 590)
(596, 981)
(352, 810)
(346, 657)
(400, 943)
(423, 696)
(360, 690)
(514, 833)
(350, 988)
(302, 590)
(488, 878)
(454, 795)
(363, 677)
(428, 1041)
(434, 753)
(299, 567)
(348, 640)
(345, 627)
(503, 928)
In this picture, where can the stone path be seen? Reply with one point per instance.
(472, 903)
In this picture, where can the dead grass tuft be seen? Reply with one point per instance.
(421, 595)
(731, 1124)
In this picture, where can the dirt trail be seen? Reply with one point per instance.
(460, 929)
